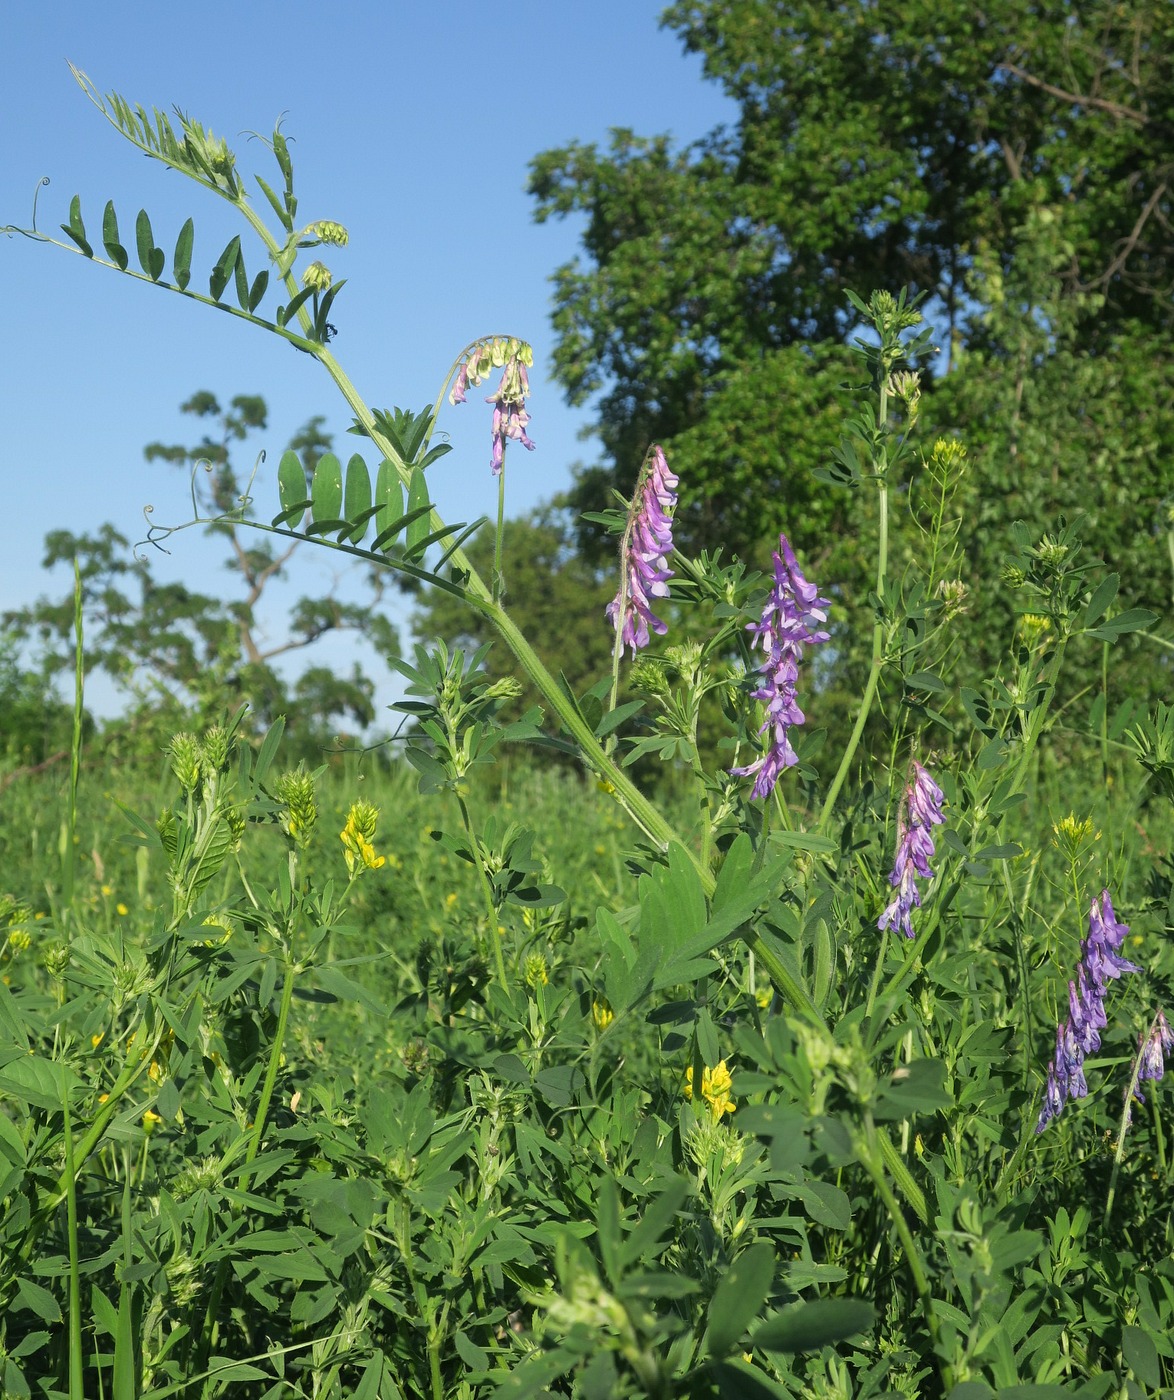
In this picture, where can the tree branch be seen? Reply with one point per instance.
(1102, 104)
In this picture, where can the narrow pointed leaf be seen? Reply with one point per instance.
(182, 262)
(397, 527)
(114, 249)
(150, 258)
(285, 314)
(275, 203)
(389, 497)
(242, 281)
(225, 265)
(326, 490)
(258, 289)
(417, 497)
(291, 483)
(358, 496)
(76, 229)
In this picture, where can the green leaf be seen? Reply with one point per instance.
(285, 314)
(914, 1088)
(1102, 596)
(389, 497)
(36, 1080)
(241, 278)
(269, 747)
(1131, 620)
(76, 229)
(114, 249)
(358, 496)
(417, 499)
(37, 1300)
(291, 483)
(150, 258)
(1141, 1356)
(258, 289)
(739, 1297)
(181, 263)
(809, 1326)
(225, 265)
(326, 489)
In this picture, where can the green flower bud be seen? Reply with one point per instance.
(214, 750)
(296, 790)
(185, 760)
(330, 232)
(317, 277)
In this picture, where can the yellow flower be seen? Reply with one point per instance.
(602, 1014)
(122, 910)
(151, 1121)
(357, 836)
(716, 1084)
(107, 891)
(96, 1040)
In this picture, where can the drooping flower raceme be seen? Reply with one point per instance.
(921, 810)
(647, 542)
(510, 418)
(1078, 1035)
(792, 619)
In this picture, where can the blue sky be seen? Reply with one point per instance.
(413, 125)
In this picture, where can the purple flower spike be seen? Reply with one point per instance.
(1079, 1035)
(647, 542)
(791, 620)
(921, 810)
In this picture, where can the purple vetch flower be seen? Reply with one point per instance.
(791, 620)
(1101, 949)
(1151, 1053)
(509, 412)
(647, 542)
(921, 810)
(1079, 1034)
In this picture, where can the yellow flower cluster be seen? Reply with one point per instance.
(602, 1014)
(716, 1086)
(357, 838)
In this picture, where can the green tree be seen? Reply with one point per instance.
(1011, 161)
(180, 653)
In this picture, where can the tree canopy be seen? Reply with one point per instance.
(1012, 161)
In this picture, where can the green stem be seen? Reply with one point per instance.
(287, 987)
(69, 833)
(1126, 1119)
(486, 890)
(76, 1385)
(878, 633)
(498, 580)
